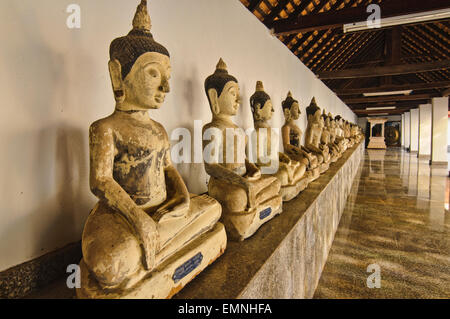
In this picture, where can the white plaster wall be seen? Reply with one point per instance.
(55, 82)
(440, 128)
(425, 129)
(408, 129)
(414, 130)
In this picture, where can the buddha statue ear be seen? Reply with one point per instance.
(115, 72)
(214, 101)
(287, 113)
(257, 111)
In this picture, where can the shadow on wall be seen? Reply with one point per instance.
(193, 173)
(60, 168)
(53, 199)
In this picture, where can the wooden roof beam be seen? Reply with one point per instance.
(393, 88)
(399, 69)
(336, 19)
(378, 99)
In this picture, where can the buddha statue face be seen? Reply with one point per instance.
(261, 104)
(223, 92)
(291, 108)
(147, 84)
(295, 111)
(229, 100)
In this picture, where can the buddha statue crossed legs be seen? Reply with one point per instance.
(147, 237)
(248, 199)
(290, 173)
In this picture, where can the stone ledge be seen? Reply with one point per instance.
(285, 258)
(23, 279)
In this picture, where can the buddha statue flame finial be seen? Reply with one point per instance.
(259, 86)
(222, 66)
(142, 19)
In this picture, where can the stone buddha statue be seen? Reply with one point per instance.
(329, 136)
(340, 135)
(333, 135)
(292, 136)
(313, 137)
(248, 198)
(147, 237)
(348, 134)
(357, 133)
(290, 173)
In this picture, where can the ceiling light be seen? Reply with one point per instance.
(378, 114)
(399, 20)
(406, 92)
(381, 108)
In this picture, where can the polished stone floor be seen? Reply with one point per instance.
(396, 218)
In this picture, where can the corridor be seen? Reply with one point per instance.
(396, 218)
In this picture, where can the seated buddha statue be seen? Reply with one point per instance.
(292, 136)
(340, 135)
(290, 173)
(348, 134)
(313, 136)
(355, 133)
(333, 134)
(147, 237)
(326, 138)
(248, 198)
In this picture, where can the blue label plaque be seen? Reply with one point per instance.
(186, 268)
(265, 213)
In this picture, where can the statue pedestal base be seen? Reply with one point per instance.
(324, 167)
(241, 226)
(313, 174)
(290, 192)
(170, 277)
(377, 143)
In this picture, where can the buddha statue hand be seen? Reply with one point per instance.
(173, 208)
(284, 158)
(253, 172)
(146, 232)
(178, 199)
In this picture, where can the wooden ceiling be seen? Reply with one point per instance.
(408, 57)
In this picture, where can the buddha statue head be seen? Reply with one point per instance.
(261, 104)
(139, 66)
(314, 114)
(338, 121)
(222, 90)
(291, 108)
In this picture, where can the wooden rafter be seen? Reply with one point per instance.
(330, 20)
